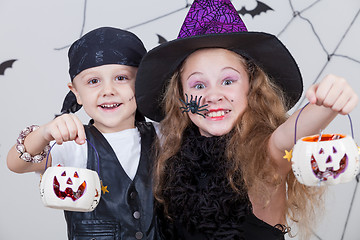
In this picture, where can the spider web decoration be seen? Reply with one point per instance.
(82, 27)
(187, 5)
(330, 55)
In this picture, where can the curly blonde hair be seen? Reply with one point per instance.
(265, 112)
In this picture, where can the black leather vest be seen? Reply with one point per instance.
(126, 211)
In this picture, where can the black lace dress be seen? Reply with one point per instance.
(201, 203)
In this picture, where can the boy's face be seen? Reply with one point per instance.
(107, 94)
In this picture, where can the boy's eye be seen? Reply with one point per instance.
(227, 82)
(93, 81)
(121, 78)
(199, 86)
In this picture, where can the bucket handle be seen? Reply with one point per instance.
(297, 118)
(96, 152)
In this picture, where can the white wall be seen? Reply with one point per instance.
(37, 33)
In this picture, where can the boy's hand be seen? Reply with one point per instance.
(335, 93)
(66, 127)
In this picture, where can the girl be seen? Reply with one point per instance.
(222, 94)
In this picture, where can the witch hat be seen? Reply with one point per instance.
(214, 24)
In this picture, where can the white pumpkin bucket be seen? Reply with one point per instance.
(70, 188)
(325, 159)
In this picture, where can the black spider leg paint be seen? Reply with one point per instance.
(131, 98)
(193, 105)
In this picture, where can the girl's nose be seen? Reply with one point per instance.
(213, 96)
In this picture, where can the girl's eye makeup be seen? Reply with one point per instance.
(195, 81)
(199, 86)
(227, 82)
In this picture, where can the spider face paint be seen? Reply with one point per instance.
(193, 105)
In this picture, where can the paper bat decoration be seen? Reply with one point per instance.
(5, 65)
(260, 8)
(161, 39)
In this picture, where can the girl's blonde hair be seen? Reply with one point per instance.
(247, 148)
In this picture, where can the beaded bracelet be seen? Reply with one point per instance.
(21, 148)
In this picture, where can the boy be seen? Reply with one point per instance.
(103, 66)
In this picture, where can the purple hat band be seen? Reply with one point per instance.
(207, 17)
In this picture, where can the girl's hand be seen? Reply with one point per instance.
(66, 127)
(335, 93)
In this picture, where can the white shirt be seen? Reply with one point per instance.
(126, 145)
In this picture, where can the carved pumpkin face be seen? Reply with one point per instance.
(332, 160)
(68, 188)
(69, 191)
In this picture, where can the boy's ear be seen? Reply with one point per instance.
(76, 93)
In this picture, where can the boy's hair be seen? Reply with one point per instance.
(101, 46)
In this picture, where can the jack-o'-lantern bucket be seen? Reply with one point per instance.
(70, 188)
(325, 159)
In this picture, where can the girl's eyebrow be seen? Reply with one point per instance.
(225, 68)
(194, 73)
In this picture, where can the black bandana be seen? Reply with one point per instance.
(99, 47)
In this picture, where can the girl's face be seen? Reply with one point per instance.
(107, 94)
(219, 76)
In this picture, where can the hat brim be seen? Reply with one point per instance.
(266, 50)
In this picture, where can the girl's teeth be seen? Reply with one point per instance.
(217, 114)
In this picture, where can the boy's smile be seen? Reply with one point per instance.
(107, 95)
(110, 105)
